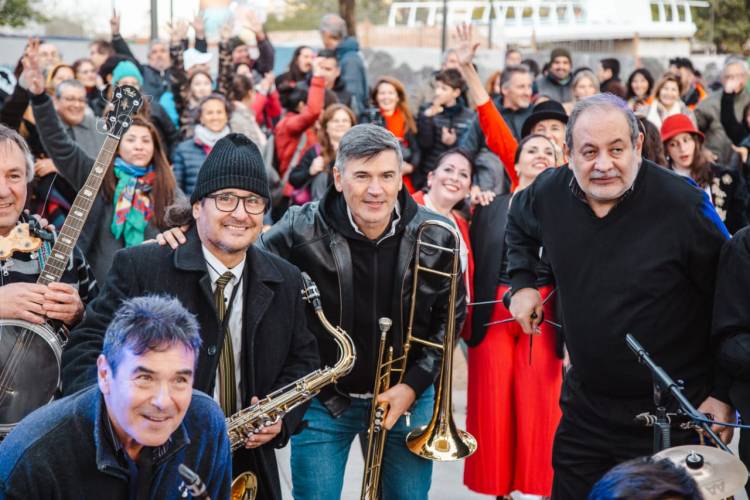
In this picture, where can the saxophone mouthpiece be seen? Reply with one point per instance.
(310, 292)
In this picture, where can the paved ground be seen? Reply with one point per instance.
(447, 477)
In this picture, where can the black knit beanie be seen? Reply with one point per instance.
(234, 162)
(560, 52)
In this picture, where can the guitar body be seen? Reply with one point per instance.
(22, 391)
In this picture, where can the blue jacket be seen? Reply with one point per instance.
(64, 450)
(353, 69)
(187, 159)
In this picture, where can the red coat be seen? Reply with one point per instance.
(499, 139)
(463, 228)
(289, 130)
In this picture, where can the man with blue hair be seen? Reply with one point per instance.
(127, 434)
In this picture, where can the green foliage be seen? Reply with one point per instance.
(17, 13)
(305, 15)
(731, 25)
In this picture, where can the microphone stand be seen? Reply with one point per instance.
(665, 386)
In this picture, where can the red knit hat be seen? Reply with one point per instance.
(678, 124)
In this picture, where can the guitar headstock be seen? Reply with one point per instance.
(125, 103)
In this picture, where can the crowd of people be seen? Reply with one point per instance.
(602, 206)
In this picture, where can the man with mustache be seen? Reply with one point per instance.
(125, 436)
(247, 301)
(634, 249)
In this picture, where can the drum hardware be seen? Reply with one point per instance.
(664, 387)
(718, 474)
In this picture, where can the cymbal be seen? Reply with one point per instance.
(719, 474)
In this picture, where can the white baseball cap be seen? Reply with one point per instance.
(191, 57)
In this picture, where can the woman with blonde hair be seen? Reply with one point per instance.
(667, 101)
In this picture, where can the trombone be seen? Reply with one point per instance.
(440, 439)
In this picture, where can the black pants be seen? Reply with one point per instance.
(595, 434)
(740, 396)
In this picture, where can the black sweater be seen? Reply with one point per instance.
(372, 263)
(647, 268)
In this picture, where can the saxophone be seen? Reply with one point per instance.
(274, 406)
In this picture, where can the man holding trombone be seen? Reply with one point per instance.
(358, 243)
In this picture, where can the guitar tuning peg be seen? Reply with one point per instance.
(118, 95)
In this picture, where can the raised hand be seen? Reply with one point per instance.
(225, 32)
(178, 31)
(467, 47)
(32, 73)
(266, 84)
(198, 24)
(114, 23)
(252, 22)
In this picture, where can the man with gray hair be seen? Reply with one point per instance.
(634, 249)
(514, 103)
(334, 35)
(357, 243)
(128, 434)
(734, 78)
(70, 103)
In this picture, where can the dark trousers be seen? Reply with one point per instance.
(740, 397)
(595, 434)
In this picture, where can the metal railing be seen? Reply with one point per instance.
(551, 15)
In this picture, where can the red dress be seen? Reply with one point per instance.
(513, 400)
(513, 407)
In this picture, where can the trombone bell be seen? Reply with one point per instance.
(441, 441)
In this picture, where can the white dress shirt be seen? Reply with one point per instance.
(215, 270)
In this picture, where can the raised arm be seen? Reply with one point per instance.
(500, 139)
(72, 162)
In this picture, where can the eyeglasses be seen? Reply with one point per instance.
(227, 202)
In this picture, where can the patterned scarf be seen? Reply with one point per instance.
(132, 204)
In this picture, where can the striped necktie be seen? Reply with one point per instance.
(227, 382)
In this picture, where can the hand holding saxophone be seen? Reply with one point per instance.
(265, 433)
(399, 399)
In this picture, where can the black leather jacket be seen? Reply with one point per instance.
(306, 238)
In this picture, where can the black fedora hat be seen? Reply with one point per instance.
(547, 110)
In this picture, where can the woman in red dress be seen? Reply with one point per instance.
(514, 387)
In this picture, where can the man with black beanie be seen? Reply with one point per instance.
(247, 302)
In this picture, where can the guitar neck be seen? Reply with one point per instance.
(57, 260)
